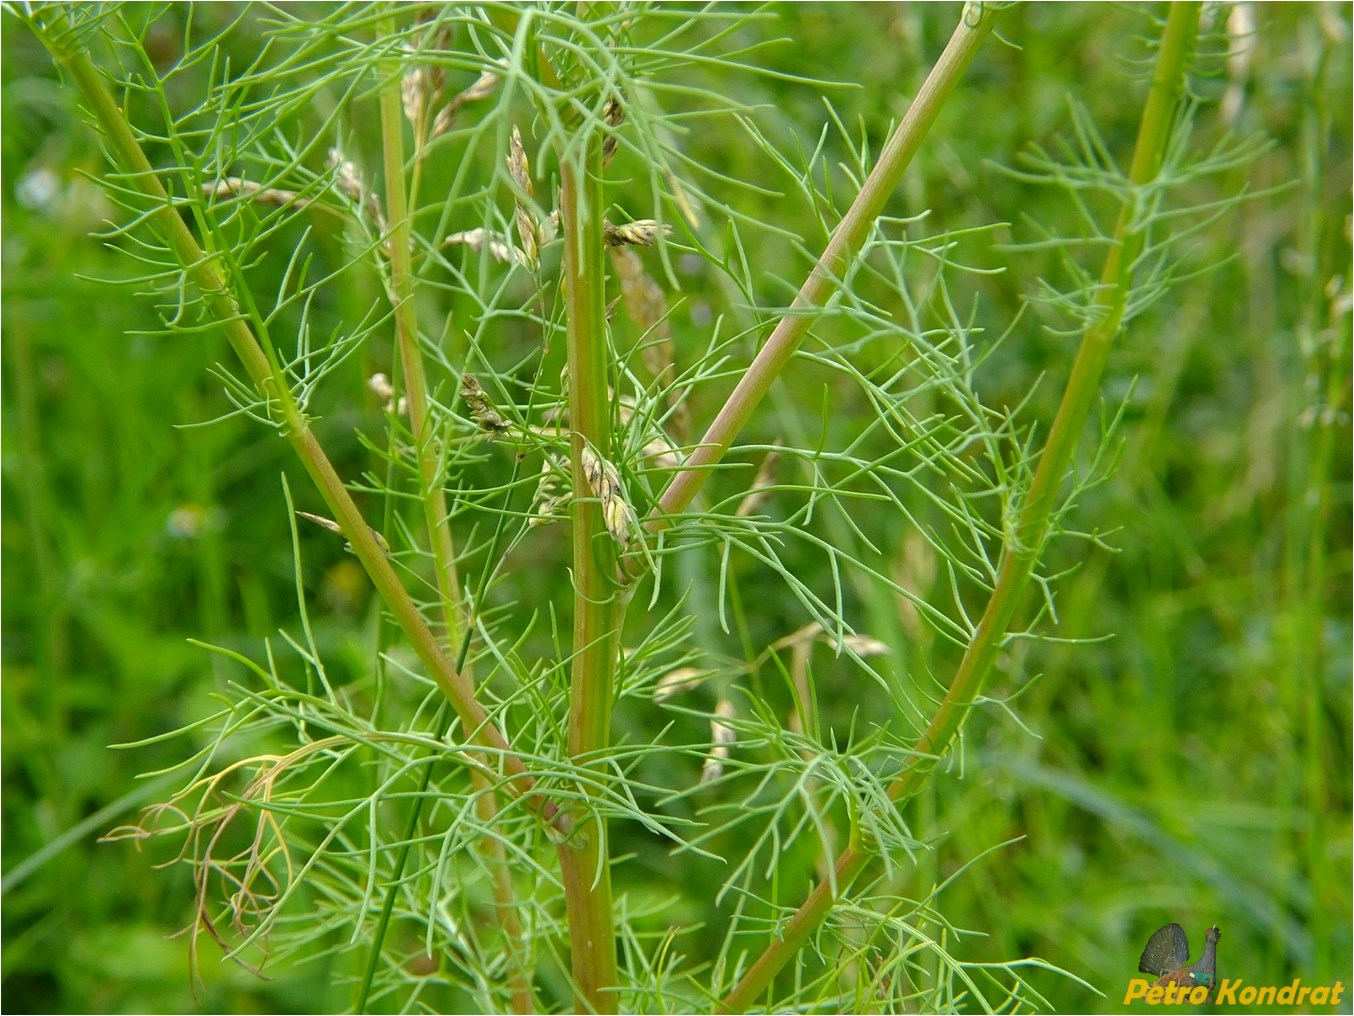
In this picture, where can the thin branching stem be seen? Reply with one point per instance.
(586, 868)
(826, 276)
(959, 499)
(1024, 544)
(400, 243)
(207, 276)
(432, 496)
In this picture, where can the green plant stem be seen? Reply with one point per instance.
(583, 857)
(436, 517)
(1025, 543)
(207, 276)
(1310, 491)
(507, 906)
(392, 890)
(584, 861)
(826, 276)
(399, 242)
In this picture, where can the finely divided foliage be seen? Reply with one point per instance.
(613, 648)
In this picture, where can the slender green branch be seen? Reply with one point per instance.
(507, 907)
(207, 276)
(583, 858)
(826, 276)
(401, 859)
(433, 498)
(1033, 526)
(1025, 545)
(400, 242)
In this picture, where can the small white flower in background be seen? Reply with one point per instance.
(234, 186)
(39, 189)
(483, 239)
(865, 645)
(757, 493)
(722, 735)
(675, 682)
(185, 522)
(190, 520)
(660, 453)
(484, 86)
(422, 87)
(350, 185)
(347, 180)
(382, 388)
(334, 527)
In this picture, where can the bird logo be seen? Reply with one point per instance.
(1167, 955)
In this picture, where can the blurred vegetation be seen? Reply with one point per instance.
(1184, 753)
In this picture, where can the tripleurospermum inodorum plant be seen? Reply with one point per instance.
(666, 644)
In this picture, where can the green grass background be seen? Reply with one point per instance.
(1190, 764)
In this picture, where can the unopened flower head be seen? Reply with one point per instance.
(606, 487)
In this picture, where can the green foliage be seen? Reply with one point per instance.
(1170, 737)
